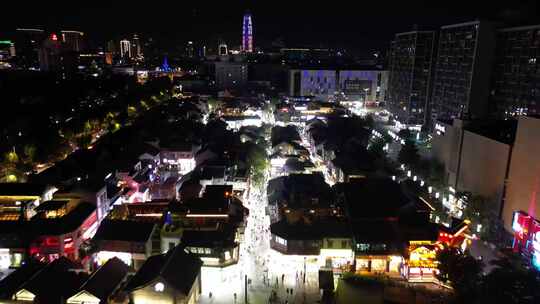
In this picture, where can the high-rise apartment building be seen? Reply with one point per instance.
(515, 86)
(463, 69)
(135, 46)
(411, 61)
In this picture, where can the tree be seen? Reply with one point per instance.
(29, 151)
(84, 141)
(462, 271)
(377, 147)
(408, 154)
(257, 161)
(480, 211)
(511, 282)
(131, 112)
(370, 122)
(213, 104)
(405, 134)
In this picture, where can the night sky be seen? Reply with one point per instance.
(355, 25)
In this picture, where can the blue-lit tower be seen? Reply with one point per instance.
(247, 33)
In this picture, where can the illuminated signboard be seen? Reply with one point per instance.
(527, 236)
(520, 224)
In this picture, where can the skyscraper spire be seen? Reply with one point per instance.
(247, 33)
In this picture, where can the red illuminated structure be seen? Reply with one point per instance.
(454, 236)
(527, 236)
(63, 233)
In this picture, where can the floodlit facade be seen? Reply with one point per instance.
(524, 174)
(364, 85)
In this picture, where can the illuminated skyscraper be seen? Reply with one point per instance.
(247, 33)
(222, 49)
(125, 48)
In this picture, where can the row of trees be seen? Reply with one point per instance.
(51, 142)
(510, 281)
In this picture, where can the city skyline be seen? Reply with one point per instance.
(294, 24)
(270, 152)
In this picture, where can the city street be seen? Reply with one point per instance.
(270, 274)
(267, 271)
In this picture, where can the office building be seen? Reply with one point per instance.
(365, 85)
(125, 48)
(231, 74)
(464, 60)
(136, 46)
(515, 86)
(411, 64)
(247, 34)
(72, 40)
(28, 42)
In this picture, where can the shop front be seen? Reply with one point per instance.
(379, 264)
(338, 259)
(422, 263)
(527, 237)
(11, 258)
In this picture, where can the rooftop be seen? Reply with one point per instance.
(52, 205)
(374, 198)
(121, 230)
(55, 281)
(104, 281)
(314, 231)
(22, 189)
(223, 237)
(178, 268)
(65, 224)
